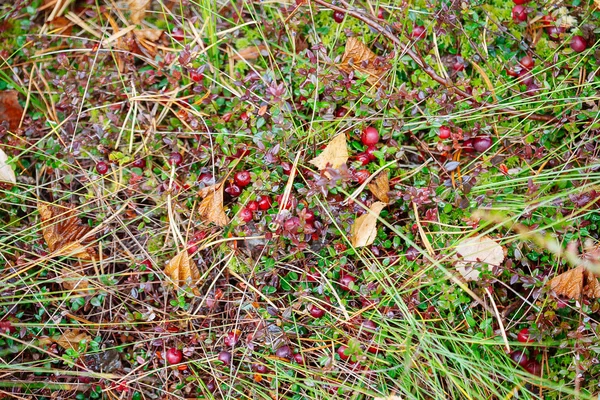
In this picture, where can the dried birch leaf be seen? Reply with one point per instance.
(575, 282)
(182, 270)
(138, 10)
(72, 280)
(358, 57)
(211, 207)
(151, 35)
(478, 250)
(251, 53)
(334, 155)
(380, 187)
(6, 172)
(63, 231)
(364, 230)
(71, 339)
(10, 109)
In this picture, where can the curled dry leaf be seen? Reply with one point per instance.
(575, 282)
(251, 53)
(211, 207)
(474, 250)
(10, 109)
(380, 187)
(70, 339)
(64, 232)
(358, 57)
(73, 280)
(138, 10)
(334, 155)
(183, 271)
(6, 172)
(364, 229)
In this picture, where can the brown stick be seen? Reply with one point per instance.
(422, 64)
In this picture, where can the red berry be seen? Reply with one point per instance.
(242, 178)
(288, 205)
(578, 44)
(341, 352)
(467, 146)
(232, 338)
(174, 356)
(520, 1)
(341, 112)
(458, 66)
(523, 336)
(286, 167)
(102, 167)
(233, 190)
(211, 386)
(412, 254)
(444, 132)
(519, 13)
(175, 159)
(370, 151)
(534, 368)
(345, 281)
(555, 32)
(139, 163)
(338, 16)
(368, 327)
(363, 158)
(527, 62)
(315, 311)
(418, 32)
(298, 358)
(284, 352)
(481, 144)
(380, 13)
(192, 248)
(178, 34)
(244, 116)
(525, 77)
(206, 178)
(264, 203)
(246, 214)
(369, 136)
(196, 76)
(531, 90)
(309, 216)
(519, 357)
(361, 176)
(225, 357)
(252, 205)
(260, 368)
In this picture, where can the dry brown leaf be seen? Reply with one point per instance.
(6, 172)
(151, 35)
(334, 155)
(380, 187)
(575, 282)
(211, 207)
(72, 280)
(478, 250)
(138, 10)
(71, 339)
(63, 231)
(182, 270)
(358, 57)
(10, 109)
(597, 4)
(251, 53)
(364, 230)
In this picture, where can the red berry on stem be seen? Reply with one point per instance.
(139, 163)
(363, 158)
(284, 352)
(370, 152)
(412, 254)
(525, 77)
(444, 132)
(174, 356)
(102, 167)
(341, 112)
(523, 336)
(196, 76)
(232, 338)
(555, 32)
(225, 357)
(418, 32)
(519, 13)
(233, 190)
(175, 159)
(527, 62)
(298, 358)
(520, 1)
(242, 178)
(534, 368)
(481, 144)
(341, 352)
(345, 281)
(519, 357)
(252, 205)
(362, 175)
(369, 136)
(315, 311)
(578, 44)
(338, 16)
(246, 214)
(264, 203)
(244, 116)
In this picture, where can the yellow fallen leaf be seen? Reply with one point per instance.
(597, 4)
(6, 172)
(364, 230)
(334, 155)
(183, 271)
(70, 339)
(575, 282)
(138, 10)
(211, 207)
(251, 53)
(478, 250)
(63, 232)
(151, 35)
(358, 57)
(380, 187)
(73, 280)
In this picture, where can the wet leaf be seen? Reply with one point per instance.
(478, 250)
(138, 10)
(251, 53)
(211, 207)
(334, 155)
(380, 187)
(575, 282)
(10, 109)
(6, 172)
(63, 232)
(358, 57)
(182, 270)
(70, 339)
(364, 230)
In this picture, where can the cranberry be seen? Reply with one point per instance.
(315, 311)
(286, 167)
(284, 352)
(369, 136)
(196, 76)
(363, 158)
(174, 356)
(345, 281)
(525, 77)
(444, 132)
(232, 338)
(102, 167)
(264, 203)
(467, 146)
(519, 13)
(362, 175)
(458, 66)
(244, 116)
(512, 72)
(139, 163)
(342, 352)
(225, 357)
(175, 159)
(178, 34)
(520, 1)
(418, 32)
(555, 32)
(260, 368)
(368, 327)
(309, 216)
(526, 62)
(211, 386)
(246, 214)
(341, 112)
(252, 205)
(192, 248)
(481, 144)
(338, 16)
(298, 358)
(534, 368)
(288, 205)
(412, 254)
(519, 357)
(578, 44)
(523, 336)
(233, 190)
(242, 178)
(206, 178)
(370, 152)
(531, 90)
